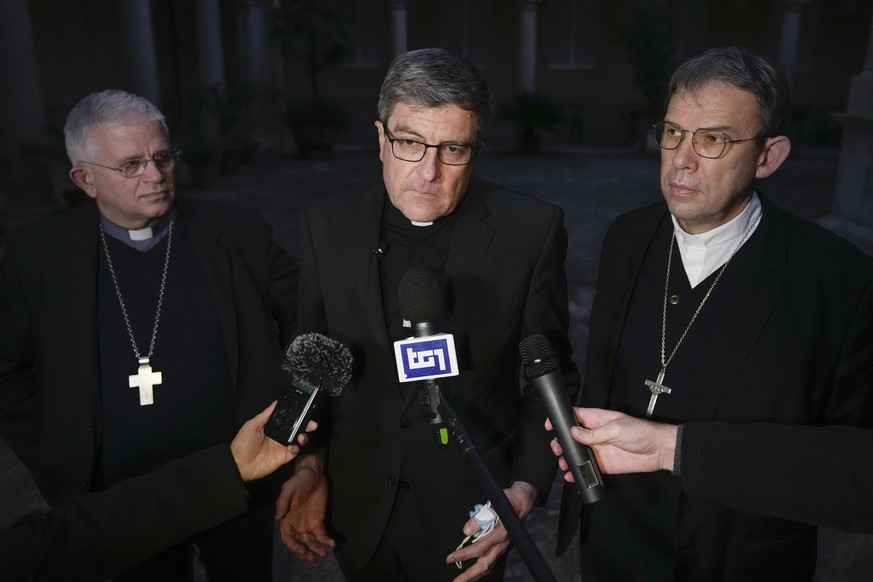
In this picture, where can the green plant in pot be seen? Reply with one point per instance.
(531, 114)
(318, 31)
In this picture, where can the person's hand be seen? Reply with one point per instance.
(488, 549)
(621, 443)
(256, 454)
(301, 508)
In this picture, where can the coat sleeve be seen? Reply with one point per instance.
(820, 475)
(102, 534)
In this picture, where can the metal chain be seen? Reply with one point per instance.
(665, 363)
(160, 293)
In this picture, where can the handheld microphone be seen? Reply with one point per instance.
(544, 374)
(315, 363)
(428, 355)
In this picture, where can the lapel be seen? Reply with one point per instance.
(472, 234)
(216, 260)
(75, 290)
(614, 290)
(364, 233)
(757, 298)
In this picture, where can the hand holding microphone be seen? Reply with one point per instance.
(315, 363)
(542, 370)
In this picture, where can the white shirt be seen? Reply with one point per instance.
(703, 253)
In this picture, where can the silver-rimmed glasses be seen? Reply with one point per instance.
(706, 143)
(164, 160)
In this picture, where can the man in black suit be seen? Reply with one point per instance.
(399, 503)
(140, 328)
(715, 305)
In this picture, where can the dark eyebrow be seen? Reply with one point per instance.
(419, 137)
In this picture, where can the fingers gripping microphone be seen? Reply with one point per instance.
(428, 354)
(542, 370)
(315, 363)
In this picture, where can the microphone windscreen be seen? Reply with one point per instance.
(419, 295)
(537, 356)
(319, 361)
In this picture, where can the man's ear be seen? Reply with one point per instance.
(83, 178)
(380, 129)
(775, 151)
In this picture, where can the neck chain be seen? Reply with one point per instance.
(657, 386)
(145, 379)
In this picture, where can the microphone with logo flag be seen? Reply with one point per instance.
(428, 354)
(316, 363)
(544, 374)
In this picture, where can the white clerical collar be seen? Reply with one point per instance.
(703, 253)
(142, 239)
(416, 223)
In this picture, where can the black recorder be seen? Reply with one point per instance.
(316, 363)
(296, 407)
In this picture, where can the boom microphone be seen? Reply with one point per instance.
(315, 363)
(544, 374)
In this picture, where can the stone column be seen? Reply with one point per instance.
(27, 190)
(852, 214)
(791, 21)
(399, 28)
(139, 48)
(210, 57)
(527, 46)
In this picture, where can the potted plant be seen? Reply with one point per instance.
(531, 113)
(319, 31)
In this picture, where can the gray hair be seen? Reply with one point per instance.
(110, 107)
(744, 70)
(434, 77)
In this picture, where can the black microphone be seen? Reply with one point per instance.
(315, 363)
(544, 374)
(421, 304)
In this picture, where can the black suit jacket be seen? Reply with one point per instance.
(99, 535)
(798, 352)
(506, 278)
(49, 378)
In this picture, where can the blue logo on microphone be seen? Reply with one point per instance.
(426, 358)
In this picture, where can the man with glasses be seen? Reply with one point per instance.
(715, 305)
(140, 328)
(399, 501)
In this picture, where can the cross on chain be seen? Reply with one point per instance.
(145, 379)
(657, 388)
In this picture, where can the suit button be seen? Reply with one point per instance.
(392, 480)
(405, 424)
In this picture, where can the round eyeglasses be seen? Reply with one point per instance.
(164, 160)
(410, 150)
(706, 143)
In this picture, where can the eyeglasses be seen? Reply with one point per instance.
(164, 160)
(706, 143)
(410, 150)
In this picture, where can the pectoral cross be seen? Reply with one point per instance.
(145, 379)
(657, 387)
